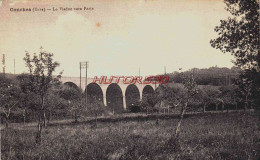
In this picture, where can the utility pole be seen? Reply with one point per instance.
(86, 83)
(84, 65)
(164, 69)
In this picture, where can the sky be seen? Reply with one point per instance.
(116, 37)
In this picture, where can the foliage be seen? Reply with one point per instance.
(29, 100)
(208, 95)
(96, 108)
(179, 95)
(209, 76)
(249, 88)
(239, 35)
(229, 95)
(9, 96)
(149, 101)
(41, 68)
(69, 93)
(171, 94)
(191, 90)
(134, 108)
(72, 97)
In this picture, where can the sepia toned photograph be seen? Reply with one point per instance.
(130, 79)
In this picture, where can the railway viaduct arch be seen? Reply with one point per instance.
(114, 94)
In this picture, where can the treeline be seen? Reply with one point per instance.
(216, 89)
(209, 76)
(206, 98)
(20, 104)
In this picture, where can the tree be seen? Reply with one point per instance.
(185, 96)
(208, 95)
(53, 100)
(41, 68)
(190, 91)
(28, 98)
(228, 95)
(9, 97)
(96, 108)
(148, 101)
(246, 89)
(73, 98)
(210, 76)
(171, 93)
(239, 35)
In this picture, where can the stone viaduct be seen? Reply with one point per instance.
(113, 94)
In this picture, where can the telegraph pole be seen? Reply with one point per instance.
(86, 83)
(84, 65)
(80, 75)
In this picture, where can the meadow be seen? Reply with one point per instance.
(204, 136)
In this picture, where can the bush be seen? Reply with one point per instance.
(134, 108)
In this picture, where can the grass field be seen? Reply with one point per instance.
(207, 136)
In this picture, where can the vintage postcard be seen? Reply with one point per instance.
(129, 79)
